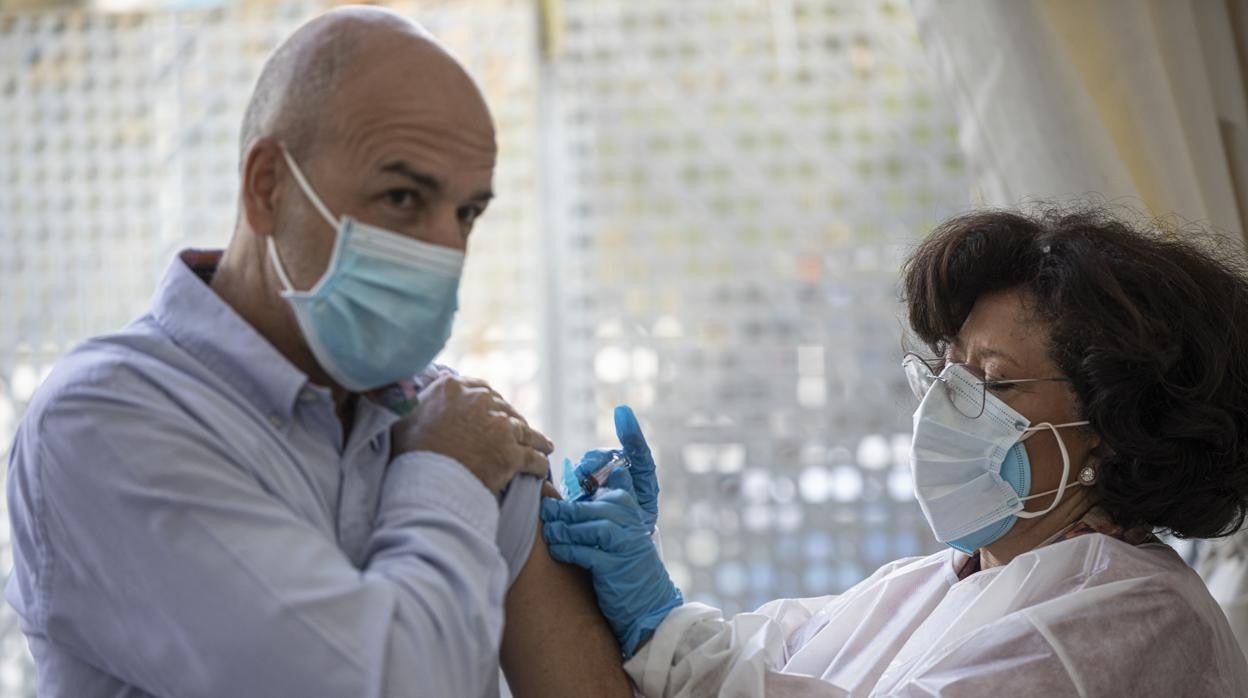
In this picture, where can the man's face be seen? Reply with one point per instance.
(410, 149)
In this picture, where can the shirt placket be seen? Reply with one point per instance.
(362, 468)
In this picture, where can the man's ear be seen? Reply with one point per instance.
(262, 165)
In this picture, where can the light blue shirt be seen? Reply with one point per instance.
(188, 520)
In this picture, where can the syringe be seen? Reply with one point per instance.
(580, 487)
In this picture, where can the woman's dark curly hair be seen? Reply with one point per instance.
(1151, 328)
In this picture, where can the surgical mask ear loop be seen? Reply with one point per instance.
(1061, 489)
(308, 191)
(277, 265)
(319, 205)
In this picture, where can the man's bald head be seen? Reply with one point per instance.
(387, 130)
(294, 96)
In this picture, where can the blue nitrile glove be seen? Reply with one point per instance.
(640, 479)
(641, 470)
(608, 535)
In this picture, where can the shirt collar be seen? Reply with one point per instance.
(205, 326)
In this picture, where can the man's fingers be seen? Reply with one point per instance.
(498, 404)
(470, 382)
(433, 385)
(530, 437)
(432, 372)
(464, 418)
(535, 463)
(477, 384)
(538, 441)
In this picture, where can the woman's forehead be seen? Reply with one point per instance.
(1003, 328)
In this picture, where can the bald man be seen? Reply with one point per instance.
(261, 487)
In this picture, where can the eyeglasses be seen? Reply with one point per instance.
(923, 373)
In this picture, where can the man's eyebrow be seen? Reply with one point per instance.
(427, 181)
(430, 182)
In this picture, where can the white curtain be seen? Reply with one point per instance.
(1141, 101)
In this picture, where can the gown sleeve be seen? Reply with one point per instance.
(698, 652)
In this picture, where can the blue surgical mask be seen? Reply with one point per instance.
(1016, 471)
(385, 305)
(972, 474)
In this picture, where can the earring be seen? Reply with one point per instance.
(1087, 475)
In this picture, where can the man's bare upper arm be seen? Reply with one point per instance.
(555, 640)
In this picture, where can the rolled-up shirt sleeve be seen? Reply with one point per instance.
(517, 523)
(146, 551)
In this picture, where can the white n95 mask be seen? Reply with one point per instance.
(385, 305)
(972, 474)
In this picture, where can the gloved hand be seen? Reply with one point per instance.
(639, 480)
(609, 536)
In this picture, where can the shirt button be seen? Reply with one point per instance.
(307, 395)
(275, 420)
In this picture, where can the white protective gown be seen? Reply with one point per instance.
(1089, 616)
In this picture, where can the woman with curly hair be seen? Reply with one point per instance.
(1084, 385)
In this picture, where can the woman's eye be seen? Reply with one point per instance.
(998, 386)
